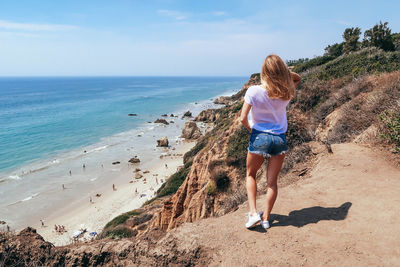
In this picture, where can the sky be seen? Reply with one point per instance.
(173, 37)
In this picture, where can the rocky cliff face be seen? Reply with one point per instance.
(153, 249)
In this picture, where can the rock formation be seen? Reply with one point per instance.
(134, 160)
(187, 114)
(163, 142)
(163, 121)
(190, 130)
(208, 115)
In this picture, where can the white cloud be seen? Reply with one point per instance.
(172, 13)
(9, 25)
(219, 13)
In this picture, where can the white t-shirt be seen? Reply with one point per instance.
(266, 114)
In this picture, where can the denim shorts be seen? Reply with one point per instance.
(267, 144)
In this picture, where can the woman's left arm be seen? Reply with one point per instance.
(243, 115)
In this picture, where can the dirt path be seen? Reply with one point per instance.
(345, 214)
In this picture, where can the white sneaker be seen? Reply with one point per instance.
(265, 224)
(253, 220)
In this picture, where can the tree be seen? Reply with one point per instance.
(334, 50)
(379, 36)
(351, 36)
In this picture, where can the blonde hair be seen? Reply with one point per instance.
(276, 78)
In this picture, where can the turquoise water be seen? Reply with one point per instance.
(41, 117)
(51, 127)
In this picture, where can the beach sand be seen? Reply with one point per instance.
(94, 216)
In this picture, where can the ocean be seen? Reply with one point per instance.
(51, 126)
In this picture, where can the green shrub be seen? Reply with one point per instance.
(392, 132)
(211, 188)
(122, 218)
(120, 232)
(366, 61)
(221, 179)
(317, 61)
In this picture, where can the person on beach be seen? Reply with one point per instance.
(266, 104)
(70, 173)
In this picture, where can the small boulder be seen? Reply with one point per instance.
(190, 130)
(138, 176)
(187, 114)
(163, 142)
(164, 115)
(161, 121)
(116, 162)
(134, 160)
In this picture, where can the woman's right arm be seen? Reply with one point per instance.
(296, 78)
(243, 115)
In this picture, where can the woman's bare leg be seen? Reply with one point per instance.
(273, 169)
(254, 162)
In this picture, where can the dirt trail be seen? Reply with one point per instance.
(344, 214)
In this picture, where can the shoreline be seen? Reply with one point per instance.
(77, 212)
(94, 216)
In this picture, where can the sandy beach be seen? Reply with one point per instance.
(94, 216)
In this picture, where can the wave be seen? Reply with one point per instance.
(25, 199)
(14, 177)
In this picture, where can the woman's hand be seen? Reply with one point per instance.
(243, 115)
(296, 78)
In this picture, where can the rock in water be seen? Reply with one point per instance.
(132, 114)
(161, 121)
(187, 114)
(191, 131)
(116, 162)
(163, 142)
(134, 160)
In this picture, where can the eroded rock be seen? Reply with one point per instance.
(191, 131)
(163, 142)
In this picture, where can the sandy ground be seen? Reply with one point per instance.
(94, 216)
(344, 214)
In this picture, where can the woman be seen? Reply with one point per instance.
(266, 104)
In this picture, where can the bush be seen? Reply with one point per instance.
(119, 232)
(298, 128)
(221, 179)
(366, 61)
(392, 130)
(211, 188)
(122, 218)
(317, 61)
